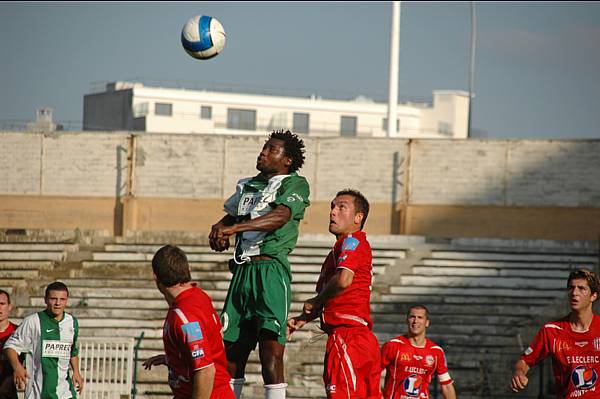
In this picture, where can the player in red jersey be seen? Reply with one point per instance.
(573, 342)
(7, 385)
(195, 354)
(410, 360)
(352, 354)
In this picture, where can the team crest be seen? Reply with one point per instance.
(429, 360)
(596, 343)
(584, 377)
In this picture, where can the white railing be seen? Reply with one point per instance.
(106, 364)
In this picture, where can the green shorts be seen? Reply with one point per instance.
(259, 297)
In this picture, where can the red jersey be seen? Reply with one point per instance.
(575, 357)
(5, 368)
(192, 340)
(410, 368)
(352, 306)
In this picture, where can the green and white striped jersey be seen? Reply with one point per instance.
(49, 346)
(256, 196)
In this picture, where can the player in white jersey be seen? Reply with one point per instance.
(49, 341)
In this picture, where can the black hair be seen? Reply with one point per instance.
(293, 147)
(56, 286)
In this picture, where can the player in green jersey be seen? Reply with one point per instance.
(49, 340)
(264, 214)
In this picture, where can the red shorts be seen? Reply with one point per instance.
(352, 364)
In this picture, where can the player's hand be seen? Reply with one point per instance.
(219, 237)
(293, 324)
(78, 381)
(20, 377)
(158, 360)
(311, 306)
(519, 381)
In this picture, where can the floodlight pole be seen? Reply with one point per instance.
(471, 67)
(394, 70)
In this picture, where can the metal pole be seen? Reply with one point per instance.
(471, 66)
(394, 70)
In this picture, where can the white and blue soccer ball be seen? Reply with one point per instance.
(203, 37)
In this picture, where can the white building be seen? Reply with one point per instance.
(133, 106)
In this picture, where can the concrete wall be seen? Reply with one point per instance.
(112, 181)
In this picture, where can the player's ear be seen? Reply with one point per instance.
(427, 323)
(358, 217)
(594, 296)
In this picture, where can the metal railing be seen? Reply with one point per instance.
(107, 366)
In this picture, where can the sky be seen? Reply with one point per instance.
(537, 64)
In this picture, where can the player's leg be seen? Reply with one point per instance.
(272, 302)
(338, 373)
(271, 357)
(238, 344)
(368, 349)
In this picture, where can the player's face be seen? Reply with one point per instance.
(56, 302)
(5, 307)
(272, 159)
(417, 321)
(580, 295)
(343, 218)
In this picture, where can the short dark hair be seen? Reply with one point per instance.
(56, 286)
(361, 204)
(587, 275)
(418, 306)
(293, 147)
(7, 295)
(170, 265)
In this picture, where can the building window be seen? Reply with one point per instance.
(348, 126)
(164, 109)
(205, 112)
(140, 109)
(301, 121)
(384, 125)
(244, 119)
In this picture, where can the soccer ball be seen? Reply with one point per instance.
(203, 37)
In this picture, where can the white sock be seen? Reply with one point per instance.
(237, 384)
(275, 391)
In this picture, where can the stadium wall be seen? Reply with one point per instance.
(121, 182)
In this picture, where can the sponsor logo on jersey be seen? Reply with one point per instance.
(192, 331)
(417, 357)
(596, 343)
(404, 357)
(350, 244)
(330, 388)
(584, 377)
(582, 359)
(412, 385)
(198, 353)
(581, 344)
(256, 201)
(429, 360)
(56, 349)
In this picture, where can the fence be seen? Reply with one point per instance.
(107, 367)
